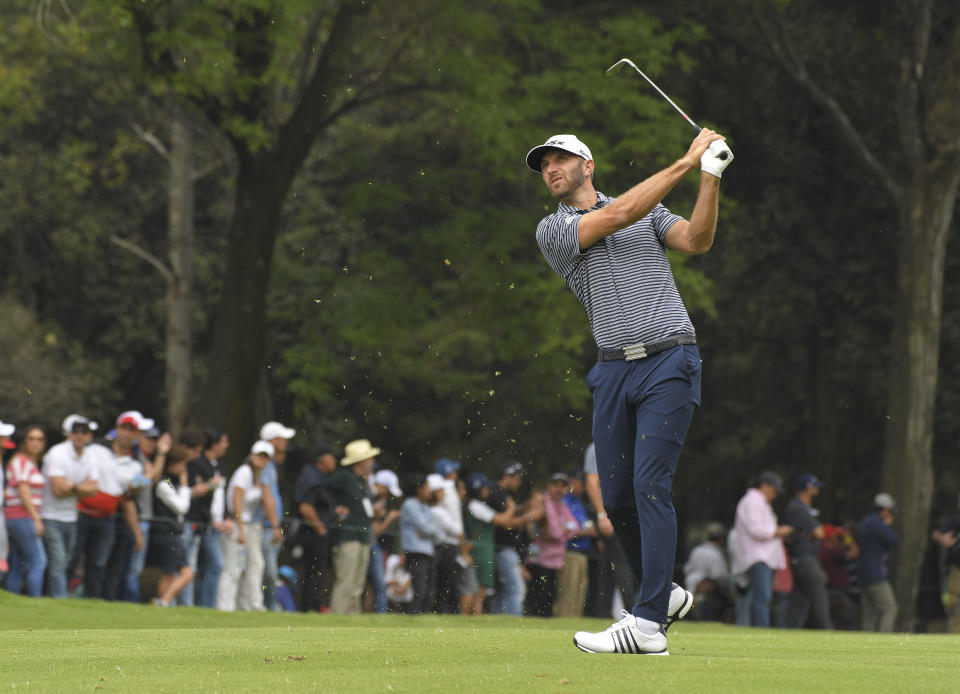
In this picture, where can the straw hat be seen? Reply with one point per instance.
(357, 451)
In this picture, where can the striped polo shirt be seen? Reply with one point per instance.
(623, 281)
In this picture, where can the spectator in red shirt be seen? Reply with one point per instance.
(836, 551)
(22, 498)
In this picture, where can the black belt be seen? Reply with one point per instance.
(645, 349)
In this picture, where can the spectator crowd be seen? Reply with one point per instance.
(135, 515)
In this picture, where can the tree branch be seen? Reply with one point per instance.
(145, 255)
(151, 139)
(783, 48)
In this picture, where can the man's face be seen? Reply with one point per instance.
(364, 467)
(127, 435)
(148, 445)
(220, 447)
(279, 449)
(80, 436)
(563, 172)
(327, 463)
(510, 482)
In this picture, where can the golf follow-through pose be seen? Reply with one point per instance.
(611, 252)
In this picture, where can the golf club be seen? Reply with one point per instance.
(617, 66)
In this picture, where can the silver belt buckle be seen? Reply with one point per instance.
(631, 352)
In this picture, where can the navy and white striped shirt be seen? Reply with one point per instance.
(623, 281)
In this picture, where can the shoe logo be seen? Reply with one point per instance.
(624, 642)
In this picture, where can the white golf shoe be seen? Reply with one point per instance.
(622, 637)
(681, 601)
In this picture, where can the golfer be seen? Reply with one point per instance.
(611, 252)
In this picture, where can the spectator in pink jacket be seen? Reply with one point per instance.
(758, 547)
(554, 530)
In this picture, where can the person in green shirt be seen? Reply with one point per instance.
(351, 537)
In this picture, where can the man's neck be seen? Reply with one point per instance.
(583, 198)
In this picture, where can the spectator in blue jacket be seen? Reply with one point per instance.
(875, 537)
(418, 531)
(573, 578)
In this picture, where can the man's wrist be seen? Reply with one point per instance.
(601, 515)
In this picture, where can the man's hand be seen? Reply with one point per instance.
(783, 530)
(276, 536)
(699, 145)
(138, 542)
(604, 525)
(717, 157)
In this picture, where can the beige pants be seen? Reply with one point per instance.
(878, 607)
(572, 585)
(350, 562)
(241, 581)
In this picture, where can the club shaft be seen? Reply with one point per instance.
(625, 61)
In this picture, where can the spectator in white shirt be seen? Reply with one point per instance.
(170, 504)
(242, 575)
(707, 575)
(447, 544)
(68, 473)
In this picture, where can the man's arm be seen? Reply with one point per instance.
(270, 510)
(637, 202)
(696, 236)
(129, 509)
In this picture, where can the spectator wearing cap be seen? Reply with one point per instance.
(418, 531)
(707, 575)
(100, 514)
(317, 509)
(23, 498)
(201, 533)
(558, 527)
(287, 589)
(758, 547)
(386, 513)
(836, 552)
(448, 572)
(450, 520)
(130, 540)
(511, 588)
(945, 535)
(809, 603)
(171, 503)
(68, 474)
(241, 580)
(152, 449)
(478, 524)
(271, 513)
(351, 540)
(573, 578)
(875, 538)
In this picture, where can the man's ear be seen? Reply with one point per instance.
(588, 168)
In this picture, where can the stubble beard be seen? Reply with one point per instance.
(576, 180)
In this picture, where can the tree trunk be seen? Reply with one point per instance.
(180, 283)
(239, 341)
(925, 219)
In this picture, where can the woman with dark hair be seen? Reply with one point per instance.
(170, 505)
(22, 498)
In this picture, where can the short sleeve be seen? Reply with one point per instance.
(662, 219)
(590, 460)
(559, 241)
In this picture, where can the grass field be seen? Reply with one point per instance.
(78, 646)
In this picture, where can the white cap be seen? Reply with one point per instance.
(388, 479)
(884, 500)
(568, 143)
(435, 482)
(135, 418)
(74, 419)
(262, 447)
(275, 430)
(6, 429)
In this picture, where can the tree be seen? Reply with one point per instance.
(900, 132)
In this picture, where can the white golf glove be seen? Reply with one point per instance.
(711, 161)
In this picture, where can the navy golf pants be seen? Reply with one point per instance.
(641, 413)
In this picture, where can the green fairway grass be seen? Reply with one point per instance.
(87, 645)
